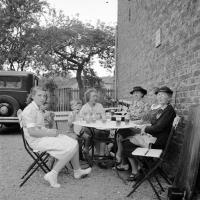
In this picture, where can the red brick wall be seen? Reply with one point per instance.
(175, 63)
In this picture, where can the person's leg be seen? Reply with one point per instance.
(78, 172)
(119, 148)
(128, 148)
(51, 176)
(87, 135)
(87, 139)
(134, 166)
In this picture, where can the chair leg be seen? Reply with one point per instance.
(164, 176)
(42, 164)
(154, 189)
(29, 169)
(137, 184)
(24, 181)
(159, 183)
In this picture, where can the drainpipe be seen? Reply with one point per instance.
(116, 63)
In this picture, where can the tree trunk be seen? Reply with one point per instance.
(80, 84)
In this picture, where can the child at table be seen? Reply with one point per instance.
(76, 105)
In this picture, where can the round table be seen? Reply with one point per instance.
(99, 124)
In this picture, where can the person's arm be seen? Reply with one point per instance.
(163, 122)
(42, 132)
(71, 119)
(101, 110)
(83, 111)
(29, 118)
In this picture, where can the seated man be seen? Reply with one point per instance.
(40, 138)
(161, 123)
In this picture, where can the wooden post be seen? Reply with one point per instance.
(190, 155)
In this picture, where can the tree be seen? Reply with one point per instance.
(71, 45)
(18, 19)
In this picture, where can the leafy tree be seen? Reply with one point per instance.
(70, 45)
(18, 19)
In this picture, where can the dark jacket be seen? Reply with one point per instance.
(161, 127)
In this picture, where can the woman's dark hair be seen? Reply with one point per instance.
(33, 92)
(88, 92)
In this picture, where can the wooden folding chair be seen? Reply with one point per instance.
(152, 159)
(39, 158)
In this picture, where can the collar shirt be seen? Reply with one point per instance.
(32, 116)
(87, 109)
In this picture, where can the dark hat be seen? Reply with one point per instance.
(165, 89)
(140, 89)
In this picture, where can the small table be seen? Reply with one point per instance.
(108, 125)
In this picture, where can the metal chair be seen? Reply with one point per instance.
(39, 158)
(152, 160)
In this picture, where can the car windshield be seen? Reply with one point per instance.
(10, 82)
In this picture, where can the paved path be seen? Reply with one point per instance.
(101, 185)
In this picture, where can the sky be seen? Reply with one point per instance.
(89, 11)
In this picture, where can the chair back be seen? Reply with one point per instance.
(19, 115)
(173, 129)
(26, 145)
(61, 120)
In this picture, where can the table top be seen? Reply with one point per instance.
(109, 124)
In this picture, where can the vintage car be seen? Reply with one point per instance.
(14, 88)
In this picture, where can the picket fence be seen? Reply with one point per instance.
(62, 97)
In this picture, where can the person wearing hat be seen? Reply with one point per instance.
(138, 107)
(161, 123)
(137, 110)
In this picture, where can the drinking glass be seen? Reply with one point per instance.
(108, 116)
(118, 120)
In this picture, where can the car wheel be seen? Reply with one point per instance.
(8, 106)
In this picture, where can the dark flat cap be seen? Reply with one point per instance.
(138, 89)
(165, 89)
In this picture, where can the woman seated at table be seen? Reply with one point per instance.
(137, 110)
(92, 109)
(161, 123)
(40, 138)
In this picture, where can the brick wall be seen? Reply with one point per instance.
(175, 63)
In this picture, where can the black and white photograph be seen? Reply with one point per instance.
(99, 99)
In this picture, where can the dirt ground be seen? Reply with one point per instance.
(102, 184)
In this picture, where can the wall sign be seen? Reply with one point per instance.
(158, 38)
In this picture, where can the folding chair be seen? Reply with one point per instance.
(152, 159)
(39, 158)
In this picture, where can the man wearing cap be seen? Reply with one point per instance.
(161, 123)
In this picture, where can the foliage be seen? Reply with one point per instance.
(18, 19)
(50, 85)
(70, 45)
(60, 46)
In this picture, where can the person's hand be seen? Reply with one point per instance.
(143, 130)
